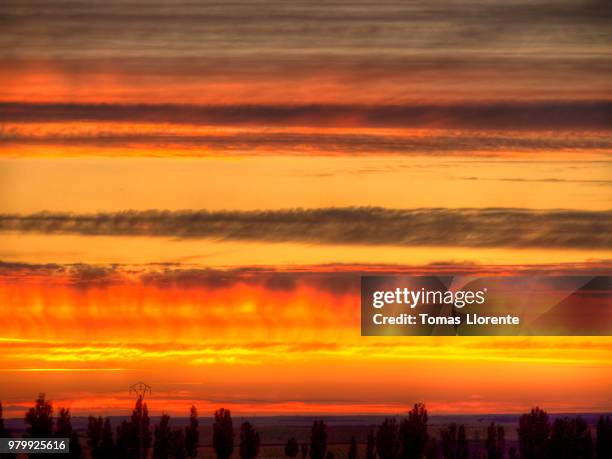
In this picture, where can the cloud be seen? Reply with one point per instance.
(336, 77)
(192, 29)
(541, 180)
(333, 278)
(492, 227)
(474, 115)
(253, 143)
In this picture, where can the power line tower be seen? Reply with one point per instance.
(140, 389)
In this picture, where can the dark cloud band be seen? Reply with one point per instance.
(492, 115)
(192, 28)
(358, 226)
(297, 143)
(335, 278)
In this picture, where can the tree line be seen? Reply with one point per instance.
(403, 438)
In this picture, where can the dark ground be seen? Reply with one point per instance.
(275, 430)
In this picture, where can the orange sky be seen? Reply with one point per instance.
(295, 340)
(293, 107)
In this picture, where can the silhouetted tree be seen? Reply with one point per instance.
(477, 453)
(125, 443)
(495, 443)
(533, 433)
(352, 454)
(432, 449)
(371, 446)
(161, 444)
(413, 433)
(223, 434)
(463, 448)
(141, 425)
(129, 433)
(454, 442)
(304, 450)
(177, 444)
(94, 436)
(318, 440)
(107, 447)
(292, 448)
(571, 438)
(192, 434)
(4, 433)
(387, 442)
(63, 424)
(63, 429)
(604, 437)
(39, 419)
(249, 441)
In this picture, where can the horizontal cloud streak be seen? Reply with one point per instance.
(335, 278)
(494, 227)
(438, 141)
(323, 78)
(184, 28)
(473, 115)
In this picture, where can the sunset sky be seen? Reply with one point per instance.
(189, 194)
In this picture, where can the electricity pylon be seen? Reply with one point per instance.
(140, 389)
